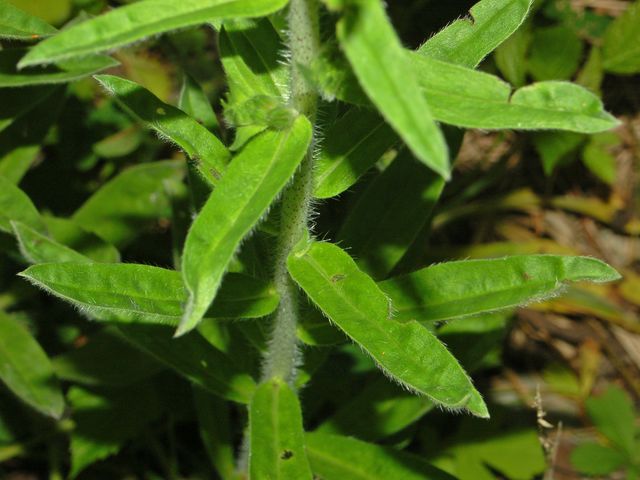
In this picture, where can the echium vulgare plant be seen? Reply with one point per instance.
(319, 93)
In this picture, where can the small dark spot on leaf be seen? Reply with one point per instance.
(338, 277)
(286, 455)
(526, 276)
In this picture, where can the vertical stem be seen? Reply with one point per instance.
(304, 44)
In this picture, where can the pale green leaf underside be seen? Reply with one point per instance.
(18, 25)
(251, 183)
(387, 77)
(466, 98)
(202, 146)
(63, 72)
(130, 23)
(458, 289)
(336, 457)
(407, 352)
(621, 42)
(467, 41)
(38, 248)
(26, 370)
(129, 293)
(277, 439)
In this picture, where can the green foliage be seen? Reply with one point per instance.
(26, 370)
(613, 414)
(389, 80)
(275, 425)
(187, 251)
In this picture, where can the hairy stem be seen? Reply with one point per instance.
(304, 43)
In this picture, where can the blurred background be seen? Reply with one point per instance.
(566, 372)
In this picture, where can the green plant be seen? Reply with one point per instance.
(614, 416)
(250, 282)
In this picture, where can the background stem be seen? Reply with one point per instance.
(304, 44)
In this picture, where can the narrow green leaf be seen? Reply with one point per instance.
(106, 359)
(194, 358)
(68, 233)
(467, 41)
(378, 411)
(26, 370)
(129, 293)
(621, 42)
(38, 248)
(18, 25)
(472, 99)
(195, 103)
(251, 183)
(595, 459)
(351, 146)
(203, 147)
(22, 139)
(124, 25)
(458, 289)
(62, 72)
(385, 73)
(106, 419)
(334, 457)
(382, 224)
(277, 439)
(16, 205)
(136, 198)
(613, 414)
(407, 352)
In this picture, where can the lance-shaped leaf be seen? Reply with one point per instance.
(123, 207)
(26, 370)
(202, 146)
(458, 289)
(16, 205)
(383, 224)
(621, 42)
(249, 186)
(66, 71)
(334, 457)
(134, 22)
(18, 25)
(127, 292)
(468, 98)
(194, 358)
(407, 352)
(277, 438)
(467, 41)
(385, 73)
(351, 146)
(38, 248)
